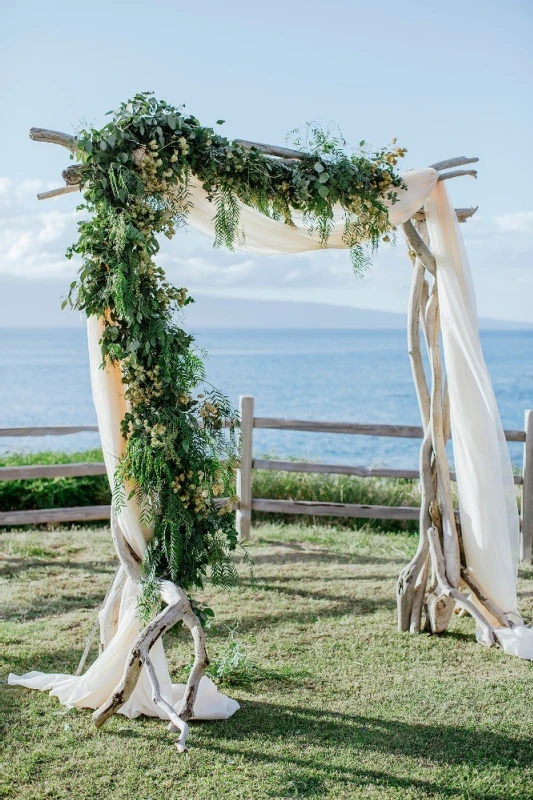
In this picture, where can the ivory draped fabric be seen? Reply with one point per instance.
(488, 509)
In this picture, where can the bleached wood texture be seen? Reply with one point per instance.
(44, 516)
(47, 430)
(244, 472)
(178, 608)
(33, 471)
(527, 491)
(319, 509)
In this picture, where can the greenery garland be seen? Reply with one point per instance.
(135, 175)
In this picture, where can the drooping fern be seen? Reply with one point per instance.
(179, 456)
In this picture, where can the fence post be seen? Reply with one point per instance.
(244, 473)
(527, 489)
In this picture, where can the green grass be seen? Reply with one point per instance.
(334, 702)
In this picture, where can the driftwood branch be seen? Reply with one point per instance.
(451, 591)
(457, 173)
(54, 137)
(419, 247)
(458, 161)
(462, 214)
(178, 609)
(57, 192)
(270, 149)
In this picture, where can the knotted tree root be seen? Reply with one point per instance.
(178, 610)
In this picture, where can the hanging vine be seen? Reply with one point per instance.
(135, 175)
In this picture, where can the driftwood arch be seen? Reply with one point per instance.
(436, 579)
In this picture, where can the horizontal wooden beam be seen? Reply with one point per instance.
(28, 472)
(314, 467)
(462, 214)
(357, 428)
(43, 516)
(52, 430)
(58, 192)
(318, 509)
(54, 137)
(458, 161)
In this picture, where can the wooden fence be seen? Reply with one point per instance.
(248, 504)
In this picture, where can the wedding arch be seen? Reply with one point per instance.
(168, 456)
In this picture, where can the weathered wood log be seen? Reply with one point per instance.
(54, 137)
(462, 214)
(458, 161)
(526, 514)
(451, 592)
(419, 247)
(49, 430)
(243, 519)
(450, 538)
(457, 173)
(320, 509)
(178, 609)
(32, 471)
(58, 192)
(44, 516)
(411, 586)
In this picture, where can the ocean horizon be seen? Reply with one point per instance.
(353, 375)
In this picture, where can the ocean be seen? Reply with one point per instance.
(338, 375)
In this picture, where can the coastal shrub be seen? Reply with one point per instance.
(94, 490)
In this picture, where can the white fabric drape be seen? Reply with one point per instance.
(487, 500)
(95, 686)
(488, 510)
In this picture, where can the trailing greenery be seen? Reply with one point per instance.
(136, 174)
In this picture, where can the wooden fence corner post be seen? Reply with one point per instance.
(527, 490)
(244, 473)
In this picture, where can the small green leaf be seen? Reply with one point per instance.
(319, 167)
(103, 145)
(220, 121)
(323, 190)
(323, 177)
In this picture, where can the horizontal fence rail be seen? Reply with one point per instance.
(248, 503)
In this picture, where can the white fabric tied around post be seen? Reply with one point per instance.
(93, 688)
(488, 510)
(485, 482)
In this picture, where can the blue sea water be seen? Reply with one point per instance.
(339, 375)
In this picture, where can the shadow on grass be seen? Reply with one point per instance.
(331, 731)
(62, 604)
(15, 565)
(304, 553)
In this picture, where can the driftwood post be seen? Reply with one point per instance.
(244, 472)
(527, 490)
(437, 579)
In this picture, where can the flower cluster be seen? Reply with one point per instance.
(135, 173)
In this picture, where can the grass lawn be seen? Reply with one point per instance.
(334, 702)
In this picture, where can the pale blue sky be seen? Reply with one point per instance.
(447, 79)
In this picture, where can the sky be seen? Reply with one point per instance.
(446, 79)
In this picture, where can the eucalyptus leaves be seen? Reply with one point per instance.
(135, 174)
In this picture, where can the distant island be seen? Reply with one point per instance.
(20, 307)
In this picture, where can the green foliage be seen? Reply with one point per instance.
(37, 493)
(135, 174)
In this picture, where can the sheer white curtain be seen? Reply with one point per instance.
(484, 474)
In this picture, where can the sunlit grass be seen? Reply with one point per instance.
(334, 702)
